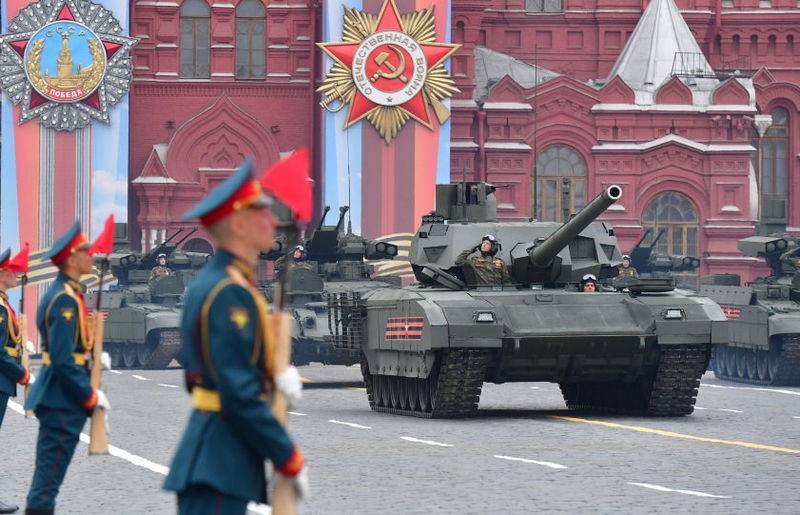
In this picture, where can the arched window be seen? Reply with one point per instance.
(250, 39)
(676, 214)
(772, 171)
(458, 34)
(555, 163)
(195, 39)
(790, 44)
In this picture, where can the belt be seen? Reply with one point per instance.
(12, 351)
(204, 399)
(80, 358)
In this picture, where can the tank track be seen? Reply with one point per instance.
(455, 386)
(788, 371)
(169, 344)
(668, 390)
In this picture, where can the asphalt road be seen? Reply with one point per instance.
(738, 453)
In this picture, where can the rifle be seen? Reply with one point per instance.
(25, 359)
(98, 436)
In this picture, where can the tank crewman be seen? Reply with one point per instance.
(297, 259)
(62, 397)
(488, 268)
(589, 284)
(159, 271)
(227, 348)
(792, 258)
(11, 372)
(627, 271)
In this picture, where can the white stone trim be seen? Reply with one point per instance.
(460, 102)
(166, 45)
(674, 138)
(740, 108)
(521, 106)
(223, 6)
(155, 180)
(463, 144)
(222, 74)
(507, 145)
(167, 74)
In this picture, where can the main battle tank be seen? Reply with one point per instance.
(336, 269)
(429, 347)
(142, 326)
(763, 316)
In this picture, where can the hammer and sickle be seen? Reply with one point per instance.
(396, 71)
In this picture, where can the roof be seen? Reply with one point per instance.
(491, 66)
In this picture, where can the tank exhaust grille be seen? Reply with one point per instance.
(347, 320)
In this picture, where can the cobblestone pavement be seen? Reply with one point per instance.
(739, 453)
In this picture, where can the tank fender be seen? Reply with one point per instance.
(784, 324)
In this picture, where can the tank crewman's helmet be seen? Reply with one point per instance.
(4, 257)
(69, 243)
(495, 244)
(588, 278)
(625, 256)
(162, 255)
(302, 250)
(239, 191)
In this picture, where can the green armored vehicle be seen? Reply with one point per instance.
(333, 266)
(651, 263)
(142, 326)
(763, 316)
(429, 347)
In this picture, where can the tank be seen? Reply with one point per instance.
(428, 348)
(652, 263)
(142, 326)
(763, 346)
(338, 269)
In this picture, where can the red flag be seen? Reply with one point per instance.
(104, 243)
(289, 182)
(19, 263)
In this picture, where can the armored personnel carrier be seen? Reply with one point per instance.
(335, 266)
(429, 347)
(142, 327)
(764, 318)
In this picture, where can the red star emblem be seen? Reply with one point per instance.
(389, 67)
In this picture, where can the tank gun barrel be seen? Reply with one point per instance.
(342, 211)
(543, 253)
(644, 237)
(322, 218)
(186, 237)
(661, 232)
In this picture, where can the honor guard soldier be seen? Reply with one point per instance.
(227, 348)
(297, 259)
(488, 268)
(11, 372)
(626, 271)
(62, 397)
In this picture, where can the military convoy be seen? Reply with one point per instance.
(763, 317)
(427, 349)
(142, 326)
(334, 268)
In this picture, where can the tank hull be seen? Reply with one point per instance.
(142, 336)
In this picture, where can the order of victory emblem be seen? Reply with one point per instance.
(388, 69)
(65, 63)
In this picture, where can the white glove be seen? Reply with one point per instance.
(29, 347)
(102, 401)
(105, 360)
(288, 382)
(301, 485)
(31, 379)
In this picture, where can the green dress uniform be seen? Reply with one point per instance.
(11, 372)
(225, 350)
(488, 270)
(62, 396)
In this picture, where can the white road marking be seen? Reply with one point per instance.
(796, 418)
(297, 413)
(534, 387)
(350, 424)
(142, 462)
(426, 442)
(678, 491)
(116, 372)
(140, 378)
(773, 390)
(168, 385)
(698, 407)
(731, 410)
(549, 464)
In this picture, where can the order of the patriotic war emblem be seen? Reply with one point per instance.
(65, 63)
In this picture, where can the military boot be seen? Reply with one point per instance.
(8, 508)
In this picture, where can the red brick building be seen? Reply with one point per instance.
(683, 125)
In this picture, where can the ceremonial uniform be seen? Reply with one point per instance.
(62, 396)
(488, 269)
(157, 273)
(226, 352)
(11, 372)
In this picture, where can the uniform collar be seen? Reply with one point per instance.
(225, 258)
(75, 285)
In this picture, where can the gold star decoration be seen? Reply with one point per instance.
(239, 317)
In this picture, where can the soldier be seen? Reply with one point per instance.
(297, 260)
(792, 258)
(589, 284)
(62, 398)
(159, 271)
(626, 271)
(11, 372)
(227, 345)
(488, 268)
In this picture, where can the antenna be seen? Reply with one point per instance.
(535, 128)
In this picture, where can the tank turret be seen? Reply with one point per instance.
(538, 252)
(771, 248)
(649, 262)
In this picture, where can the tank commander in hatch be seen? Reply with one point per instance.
(296, 259)
(792, 258)
(489, 269)
(160, 270)
(589, 284)
(626, 270)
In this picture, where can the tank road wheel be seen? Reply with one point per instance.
(405, 386)
(382, 388)
(144, 352)
(752, 363)
(741, 362)
(114, 350)
(411, 387)
(129, 354)
(394, 392)
(762, 363)
(784, 362)
(719, 361)
(424, 394)
(730, 362)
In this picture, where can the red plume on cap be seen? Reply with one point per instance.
(104, 243)
(19, 263)
(289, 182)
